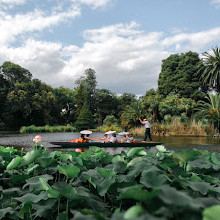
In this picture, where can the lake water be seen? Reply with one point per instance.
(26, 141)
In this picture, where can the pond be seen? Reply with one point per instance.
(26, 141)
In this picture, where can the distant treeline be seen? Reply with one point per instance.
(183, 86)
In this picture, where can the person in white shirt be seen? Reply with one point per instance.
(146, 123)
(105, 139)
(113, 139)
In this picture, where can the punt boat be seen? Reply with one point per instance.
(99, 144)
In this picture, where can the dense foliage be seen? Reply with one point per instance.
(183, 84)
(96, 185)
(210, 72)
(179, 75)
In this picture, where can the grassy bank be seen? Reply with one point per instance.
(47, 128)
(176, 128)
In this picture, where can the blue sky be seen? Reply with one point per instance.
(124, 41)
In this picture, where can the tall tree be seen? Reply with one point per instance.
(14, 73)
(106, 103)
(86, 89)
(179, 76)
(30, 103)
(85, 118)
(65, 104)
(210, 72)
(151, 102)
(125, 99)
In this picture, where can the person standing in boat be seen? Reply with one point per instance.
(147, 126)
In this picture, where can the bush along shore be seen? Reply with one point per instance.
(174, 128)
(47, 128)
(96, 185)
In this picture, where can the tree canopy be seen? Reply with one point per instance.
(210, 72)
(179, 76)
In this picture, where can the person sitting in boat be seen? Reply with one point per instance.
(105, 139)
(113, 139)
(79, 140)
(130, 138)
(124, 139)
(89, 139)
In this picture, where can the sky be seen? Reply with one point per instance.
(124, 41)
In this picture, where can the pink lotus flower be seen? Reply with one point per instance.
(37, 139)
(78, 150)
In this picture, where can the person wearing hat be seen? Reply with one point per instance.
(146, 124)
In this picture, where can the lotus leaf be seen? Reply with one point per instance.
(34, 183)
(137, 193)
(93, 176)
(161, 148)
(79, 216)
(106, 172)
(30, 157)
(32, 197)
(103, 186)
(120, 167)
(215, 157)
(66, 157)
(31, 169)
(15, 162)
(134, 151)
(186, 155)
(211, 213)
(70, 171)
(43, 208)
(152, 178)
(134, 211)
(172, 196)
(5, 211)
(201, 187)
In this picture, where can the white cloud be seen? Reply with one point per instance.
(13, 2)
(192, 41)
(13, 26)
(217, 2)
(125, 58)
(43, 59)
(93, 3)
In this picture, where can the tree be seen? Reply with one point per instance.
(210, 72)
(86, 89)
(106, 103)
(85, 118)
(179, 76)
(124, 100)
(174, 105)
(65, 104)
(131, 114)
(14, 73)
(210, 110)
(151, 102)
(30, 103)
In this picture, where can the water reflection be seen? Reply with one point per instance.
(26, 141)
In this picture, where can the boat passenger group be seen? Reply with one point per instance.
(109, 137)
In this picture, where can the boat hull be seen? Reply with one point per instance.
(99, 144)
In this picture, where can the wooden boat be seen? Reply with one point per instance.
(99, 144)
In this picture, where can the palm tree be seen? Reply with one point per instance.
(131, 114)
(210, 73)
(210, 110)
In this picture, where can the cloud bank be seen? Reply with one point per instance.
(125, 57)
